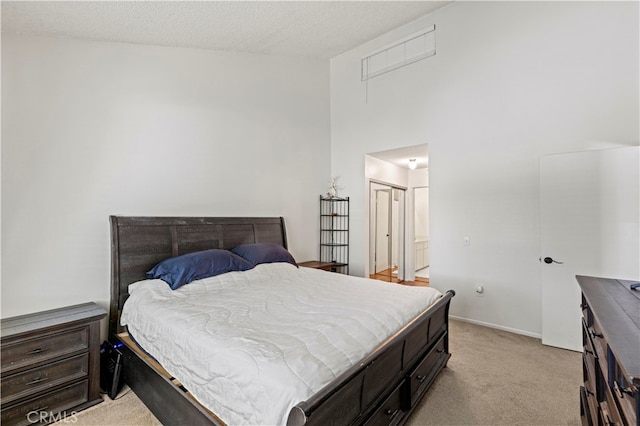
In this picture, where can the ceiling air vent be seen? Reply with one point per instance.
(399, 54)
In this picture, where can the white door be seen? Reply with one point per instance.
(383, 200)
(590, 225)
(397, 245)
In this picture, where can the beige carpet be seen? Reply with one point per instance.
(493, 378)
(500, 378)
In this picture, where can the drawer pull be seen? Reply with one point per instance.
(609, 421)
(620, 390)
(37, 380)
(588, 392)
(392, 414)
(594, 334)
(583, 306)
(420, 378)
(36, 351)
(589, 351)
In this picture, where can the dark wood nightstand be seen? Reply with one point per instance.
(50, 364)
(327, 266)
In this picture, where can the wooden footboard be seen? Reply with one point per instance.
(385, 387)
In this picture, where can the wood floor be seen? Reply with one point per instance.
(387, 276)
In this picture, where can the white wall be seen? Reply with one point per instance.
(511, 81)
(421, 209)
(92, 129)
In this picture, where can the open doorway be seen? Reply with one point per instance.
(406, 170)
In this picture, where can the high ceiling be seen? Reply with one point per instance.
(315, 29)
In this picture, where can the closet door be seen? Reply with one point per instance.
(383, 230)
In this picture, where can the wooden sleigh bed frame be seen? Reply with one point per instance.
(382, 389)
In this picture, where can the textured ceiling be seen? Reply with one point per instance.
(318, 29)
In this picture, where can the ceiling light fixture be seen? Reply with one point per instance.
(413, 163)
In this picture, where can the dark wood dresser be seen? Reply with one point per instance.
(611, 357)
(50, 365)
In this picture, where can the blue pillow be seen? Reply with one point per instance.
(181, 270)
(264, 253)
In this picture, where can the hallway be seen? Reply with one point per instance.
(388, 276)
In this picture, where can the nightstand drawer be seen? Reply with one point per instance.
(21, 385)
(50, 364)
(51, 404)
(45, 347)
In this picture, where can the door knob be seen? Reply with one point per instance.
(549, 260)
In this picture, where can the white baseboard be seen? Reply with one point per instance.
(497, 327)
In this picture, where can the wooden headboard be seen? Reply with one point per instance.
(138, 243)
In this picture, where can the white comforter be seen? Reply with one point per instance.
(251, 345)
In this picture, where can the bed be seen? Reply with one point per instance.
(381, 385)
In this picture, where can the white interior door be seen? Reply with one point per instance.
(590, 225)
(397, 221)
(383, 200)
